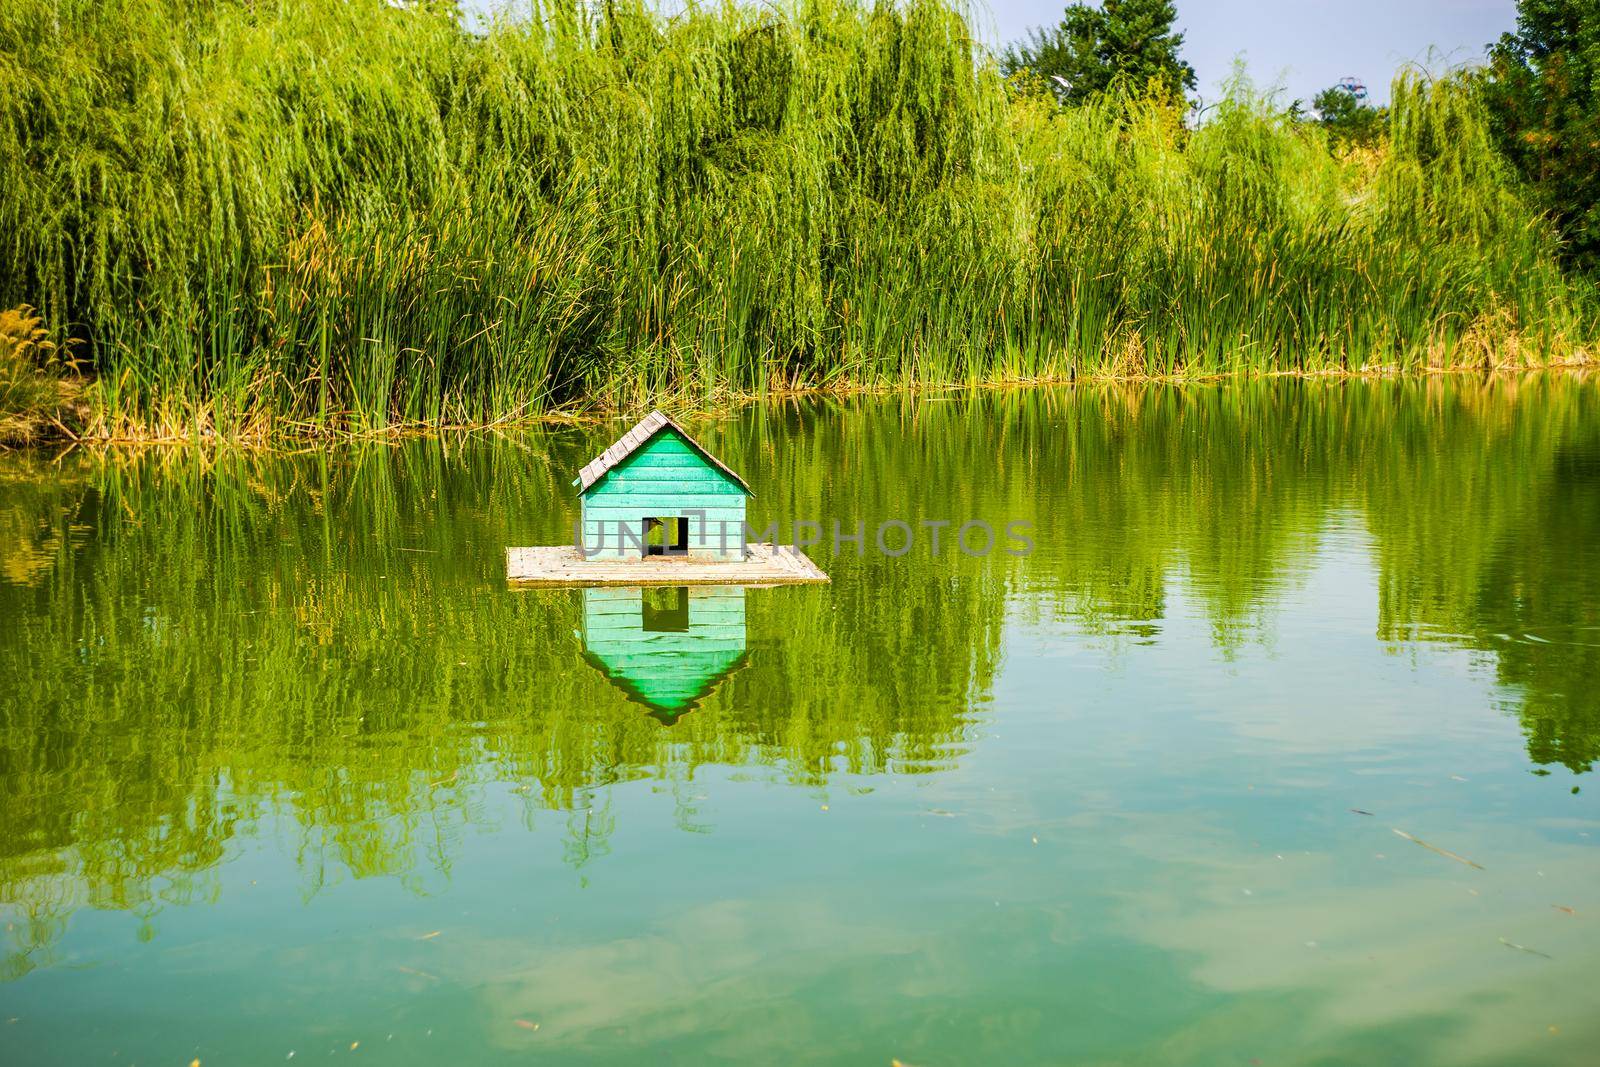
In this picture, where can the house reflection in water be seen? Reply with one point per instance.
(666, 647)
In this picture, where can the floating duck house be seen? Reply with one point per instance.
(656, 492)
(658, 509)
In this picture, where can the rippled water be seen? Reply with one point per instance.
(286, 767)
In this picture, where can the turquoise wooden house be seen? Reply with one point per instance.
(656, 492)
(665, 647)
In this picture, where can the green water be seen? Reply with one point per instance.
(286, 767)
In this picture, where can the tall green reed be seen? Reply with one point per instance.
(336, 216)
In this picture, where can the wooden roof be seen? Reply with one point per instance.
(630, 442)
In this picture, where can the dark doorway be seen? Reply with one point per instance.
(666, 609)
(666, 536)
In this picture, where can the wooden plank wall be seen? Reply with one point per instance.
(664, 478)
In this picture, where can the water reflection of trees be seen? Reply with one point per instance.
(205, 644)
(196, 645)
(1488, 531)
(1481, 497)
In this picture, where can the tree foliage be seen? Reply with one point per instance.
(1091, 48)
(1348, 118)
(1543, 89)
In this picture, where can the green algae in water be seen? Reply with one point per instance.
(285, 766)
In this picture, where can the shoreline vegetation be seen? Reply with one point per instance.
(336, 218)
(62, 426)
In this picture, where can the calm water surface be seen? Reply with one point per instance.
(286, 768)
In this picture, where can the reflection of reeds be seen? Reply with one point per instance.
(325, 217)
(215, 636)
(305, 636)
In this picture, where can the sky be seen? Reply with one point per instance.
(1300, 45)
(1307, 45)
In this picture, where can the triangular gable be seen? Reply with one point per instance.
(673, 686)
(635, 439)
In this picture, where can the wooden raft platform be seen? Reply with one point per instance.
(764, 564)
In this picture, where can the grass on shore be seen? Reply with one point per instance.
(35, 394)
(335, 216)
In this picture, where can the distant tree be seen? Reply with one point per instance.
(1543, 91)
(1347, 116)
(1092, 47)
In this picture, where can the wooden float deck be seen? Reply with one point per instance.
(764, 564)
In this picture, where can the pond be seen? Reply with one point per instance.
(1271, 745)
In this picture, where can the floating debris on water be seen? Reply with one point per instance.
(525, 1024)
(1358, 811)
(1525, 948)
(1563, 909)
(1441, 851)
